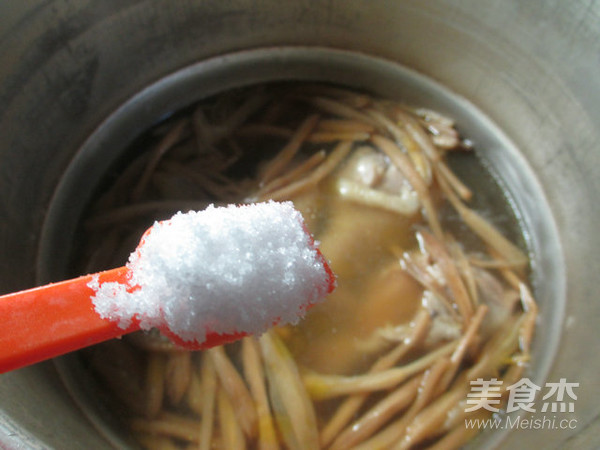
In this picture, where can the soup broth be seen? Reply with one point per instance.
(430, 296)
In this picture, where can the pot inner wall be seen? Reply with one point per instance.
(495, 150)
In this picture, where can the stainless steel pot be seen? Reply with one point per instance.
(523, 77)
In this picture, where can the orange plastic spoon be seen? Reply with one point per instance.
(51, 320)
(58, 318)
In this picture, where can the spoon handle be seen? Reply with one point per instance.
(58, 318)
(54, 319)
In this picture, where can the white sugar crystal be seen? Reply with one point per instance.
(232, 269)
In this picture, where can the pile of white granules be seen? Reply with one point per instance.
(224, 270)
